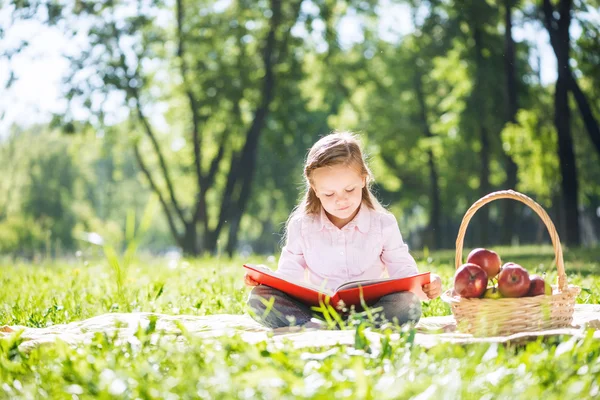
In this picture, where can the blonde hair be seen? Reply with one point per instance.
(338, 148)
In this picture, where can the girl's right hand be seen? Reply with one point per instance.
(249, 281)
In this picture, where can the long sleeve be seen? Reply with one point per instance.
(292, 263)
(395, 253)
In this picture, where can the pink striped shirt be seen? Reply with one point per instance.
(366, 248)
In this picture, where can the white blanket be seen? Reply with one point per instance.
(430, 331)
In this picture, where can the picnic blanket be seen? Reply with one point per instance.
(430, 331)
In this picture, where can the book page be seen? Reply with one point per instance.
(364, 282)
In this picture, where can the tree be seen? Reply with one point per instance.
(48, 197)
(425, 51)
(558, 28)
(512, 107)
(225, 68)
(477, 16)
(39, 209)
(484, 115)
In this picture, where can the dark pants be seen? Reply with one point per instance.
(399, 307)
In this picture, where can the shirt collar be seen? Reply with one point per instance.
(362, 220)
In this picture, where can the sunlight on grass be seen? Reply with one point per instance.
(152, 366)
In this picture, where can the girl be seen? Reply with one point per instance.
(339, 233)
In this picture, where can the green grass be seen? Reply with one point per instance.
(52, 293)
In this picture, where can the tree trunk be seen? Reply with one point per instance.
(247, 168)
(484, 184)
(234, 227)
(189, 242)
(484, 154)
(247, 164)
(210, 241)
(558, 29)
(568, 168)
(508, 221)
(434, 230)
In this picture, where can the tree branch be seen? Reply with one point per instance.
(587, 115)
(549, 21)
(227, 194)
(210, 178)
(564, 10)
(214, 165)
(248, 156)
(190, 95)
(243, 166)
(156, 190)
(163, 165)
(560, 31)
(555, 26)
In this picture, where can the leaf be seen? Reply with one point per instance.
(160, 291)
(361, 342)
(130, 225)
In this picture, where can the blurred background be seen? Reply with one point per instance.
(184, 124)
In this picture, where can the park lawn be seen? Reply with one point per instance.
(64, 291)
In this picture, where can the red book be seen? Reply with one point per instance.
(350, 293)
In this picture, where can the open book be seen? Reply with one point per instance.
(350, 293)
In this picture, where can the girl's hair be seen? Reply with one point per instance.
(338, 148)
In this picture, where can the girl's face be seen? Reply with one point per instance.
(339, 188)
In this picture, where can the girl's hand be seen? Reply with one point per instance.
(434, 288)
(249, 281)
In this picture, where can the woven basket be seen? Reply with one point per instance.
(505, 316)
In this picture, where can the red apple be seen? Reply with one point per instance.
(538, 286)
(487, 259)
(513, 280)
(470, 280)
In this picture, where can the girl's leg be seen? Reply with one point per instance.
(399, 307)
(279, 312)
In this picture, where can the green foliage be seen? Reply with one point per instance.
(48, 194)
(37, 211)
(57, 187)
(191, 81)
(533, 145)
(21, 236)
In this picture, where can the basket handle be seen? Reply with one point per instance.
(511, 194)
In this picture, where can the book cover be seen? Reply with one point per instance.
(350, 293)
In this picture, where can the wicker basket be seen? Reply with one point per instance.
(500, 317)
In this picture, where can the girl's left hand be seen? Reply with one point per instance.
(434, 288)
